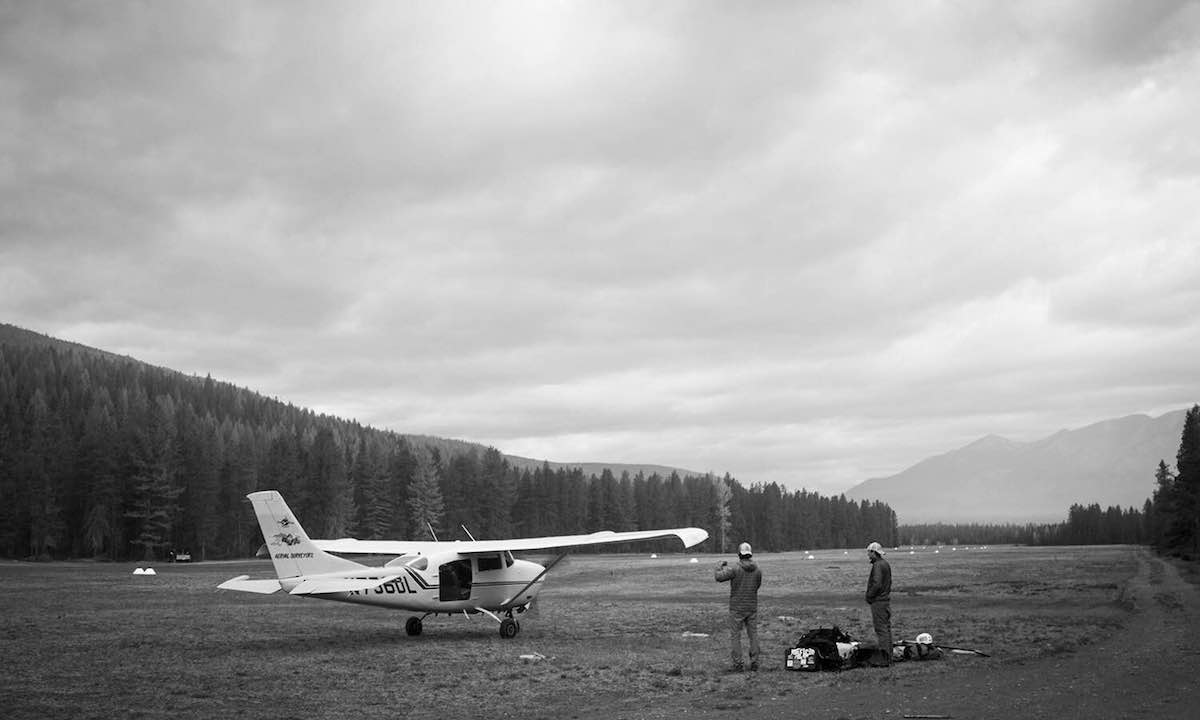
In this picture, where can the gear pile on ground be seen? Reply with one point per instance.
(825, 649)
(832, 649)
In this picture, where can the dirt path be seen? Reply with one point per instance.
(1148, 669)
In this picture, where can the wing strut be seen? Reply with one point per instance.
(487, 612)
(506, 606)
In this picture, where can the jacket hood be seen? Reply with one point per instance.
(747, 564)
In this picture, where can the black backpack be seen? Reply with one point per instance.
(818, 649)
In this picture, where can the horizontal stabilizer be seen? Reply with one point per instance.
(320, 585)
(242, 583)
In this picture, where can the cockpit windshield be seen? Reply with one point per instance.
(416, 562)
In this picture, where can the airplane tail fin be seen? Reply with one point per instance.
(293, 553)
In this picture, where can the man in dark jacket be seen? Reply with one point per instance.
(744, 580)
(879, 597)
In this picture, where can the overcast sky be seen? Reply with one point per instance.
(801, 242)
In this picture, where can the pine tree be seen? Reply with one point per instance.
(463, 494)
(1163, 506)
(424, 495)
(401, 466)
(46, 525)
(373, 483)
(1187, 485)
(722, 494)
(154, 504)
(96, 462)
(499, 486)
(329, 485)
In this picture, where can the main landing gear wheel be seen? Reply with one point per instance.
(413, 626)
(509, 628)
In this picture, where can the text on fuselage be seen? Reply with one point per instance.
(392, 587)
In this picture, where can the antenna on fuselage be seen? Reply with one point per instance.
(431, 532)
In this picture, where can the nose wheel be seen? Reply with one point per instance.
(509, 628)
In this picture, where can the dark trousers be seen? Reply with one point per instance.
(738, 622)
(881, 617)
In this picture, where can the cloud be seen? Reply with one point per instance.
(805, 243)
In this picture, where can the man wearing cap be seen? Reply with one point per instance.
(744, 579)
(879, 597)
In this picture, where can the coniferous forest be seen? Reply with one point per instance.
(102, 456)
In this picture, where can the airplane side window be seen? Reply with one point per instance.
(508, 559)
(488, 562)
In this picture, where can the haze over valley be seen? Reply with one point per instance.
(994, 480)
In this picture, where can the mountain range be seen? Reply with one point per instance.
(996, 480)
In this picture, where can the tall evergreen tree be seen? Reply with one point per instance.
(102, 519)
(425, 506)
(1163, 505)
(376, 502)
(401, 466)
(329, 485)
(46, 524)
(1186, 525)
(463, 494)
(154, 503)
(499, 486)
(722, 494)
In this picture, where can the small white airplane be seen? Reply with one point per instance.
(428, 577)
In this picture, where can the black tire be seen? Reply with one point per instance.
(508, 628)
(413, 626)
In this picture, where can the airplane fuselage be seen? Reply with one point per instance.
(457, 584)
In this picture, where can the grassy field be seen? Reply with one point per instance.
(92, 640)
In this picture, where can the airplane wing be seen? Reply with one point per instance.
(348, 546)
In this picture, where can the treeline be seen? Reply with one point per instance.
(103, 456)
(1174, 509)
(921, 534)
(1088, 525)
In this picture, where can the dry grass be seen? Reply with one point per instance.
(91, 640)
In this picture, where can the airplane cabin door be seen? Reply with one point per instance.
(454, 580)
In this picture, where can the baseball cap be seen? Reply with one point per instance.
(744, 549)
(875, 547)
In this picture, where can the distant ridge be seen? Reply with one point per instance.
(997, 480)
(448, 447)
(596, 468)
(20, 337)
